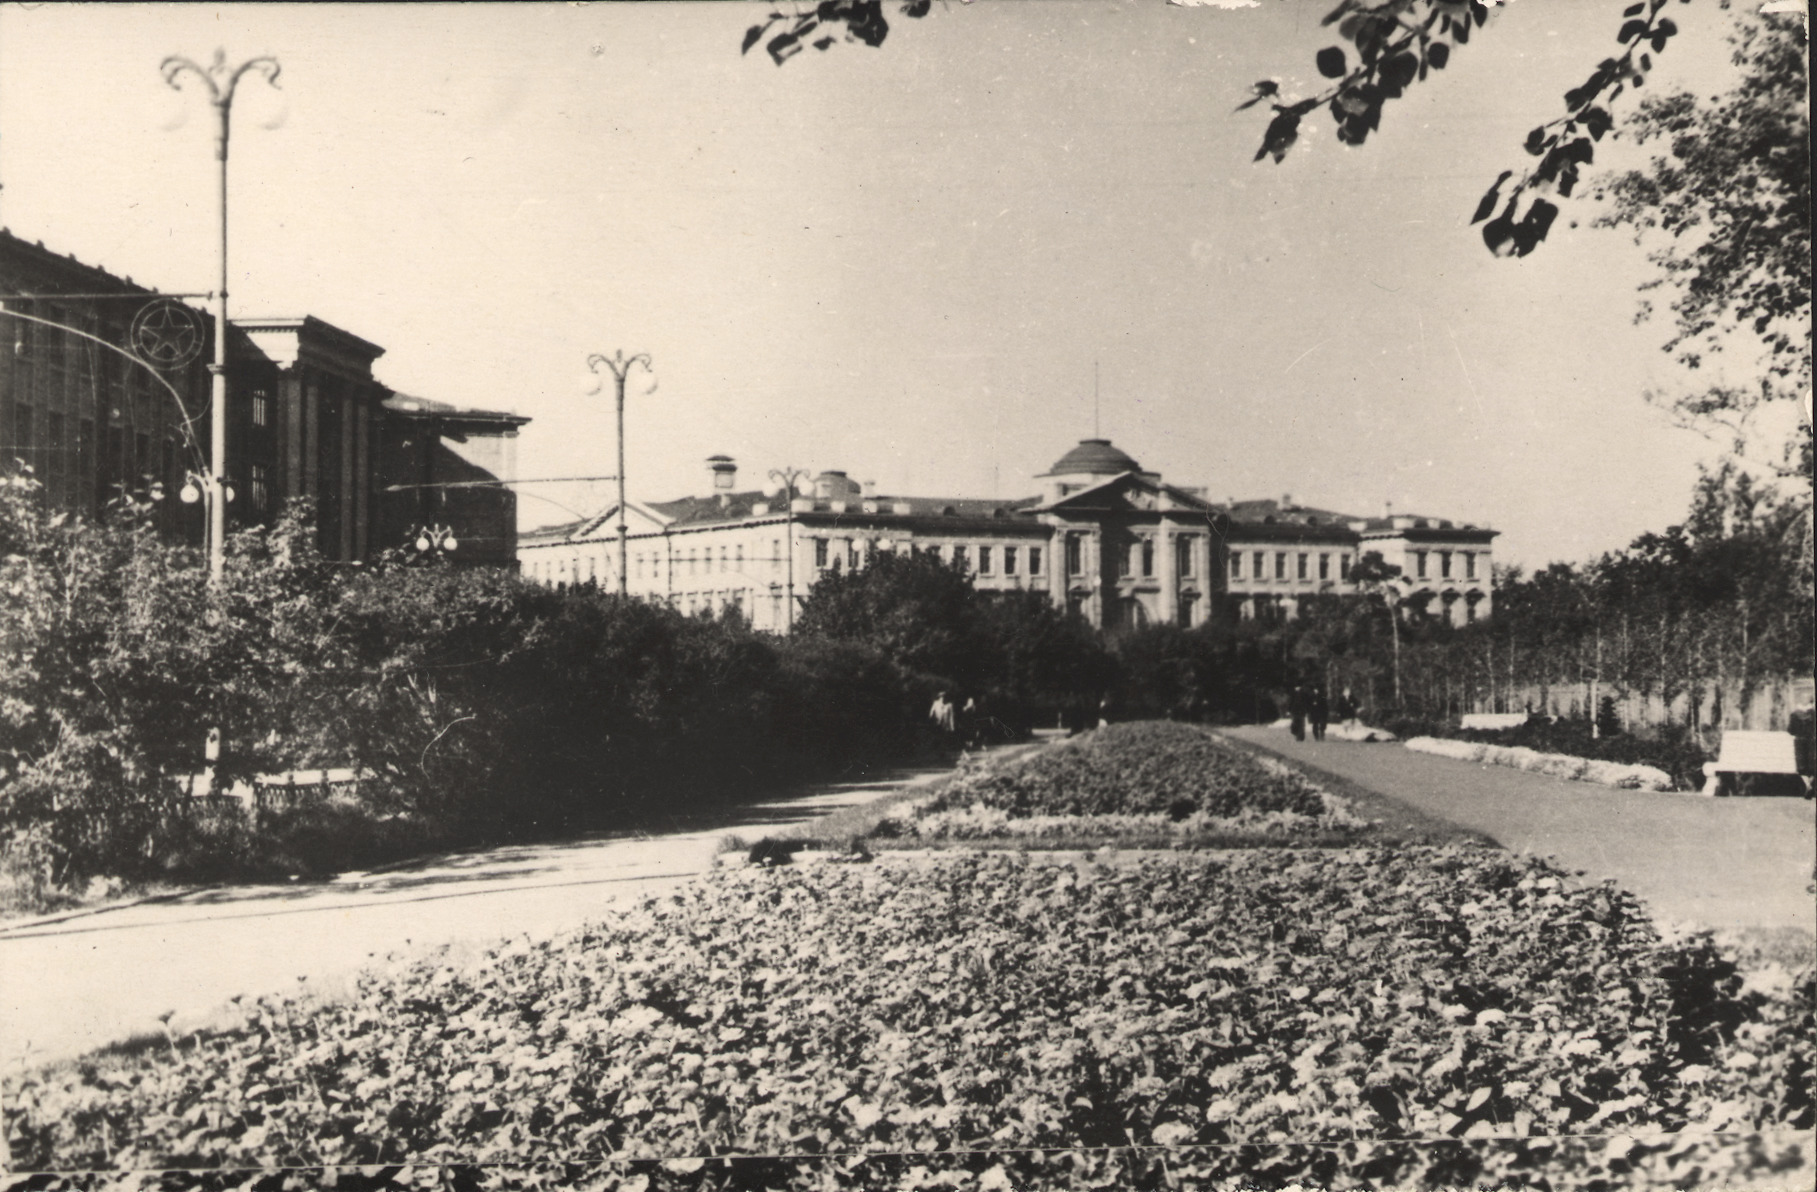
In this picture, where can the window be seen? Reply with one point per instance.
(59, 464)
(1444, 564)
(1259, 568)
(1009, 560)
(738, 557)
(984, 560)
(959, 559)
(1344, 567)
(261, 408)
(820, 552)
(1236, 564)
(775, 555)
(1126, 560)
(1469, 564)
(261, 488)
(1148, 557)
(1075, 556)
(85, 462)
(1301, 571)
(1034, 560)
(1470, 611)
(1183, 548)
(1187, 601)
(1280, 564)
(1324, 566)
(1419, 562)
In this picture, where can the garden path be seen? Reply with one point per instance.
(1700, 862)
(72, 983)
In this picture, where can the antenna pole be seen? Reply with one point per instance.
(1095, 432)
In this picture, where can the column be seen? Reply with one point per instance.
(362, 470)
(345, 536)
(311, 441)
(1167, 608)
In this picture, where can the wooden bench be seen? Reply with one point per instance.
(1755, 763)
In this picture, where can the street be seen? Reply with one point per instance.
(76, 983)
(1718, 863)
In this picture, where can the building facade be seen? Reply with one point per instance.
(1104, 538)
(101, 411)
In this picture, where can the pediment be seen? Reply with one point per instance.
(638, 520)
(1130, 492)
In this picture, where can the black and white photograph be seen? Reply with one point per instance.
(907, 595)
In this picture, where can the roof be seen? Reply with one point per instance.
(410, 406)
(1268, 511)
(1095, 457)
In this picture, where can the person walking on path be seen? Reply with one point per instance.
(1296, 710)
(1318, 711)
(1345, 709)
(941, 713)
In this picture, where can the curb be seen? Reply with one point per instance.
(9, 926)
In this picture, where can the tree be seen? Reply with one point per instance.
(1726, 209)
(1380, 581)
(913, 609)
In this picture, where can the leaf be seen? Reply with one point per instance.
(917, 8)
(1536, 141)
(783, 46)
(1630, 30)
(1596, 122)
(823, 43)
(1438, 53)
(1331, 62)
(752, 36)
(1634, 10)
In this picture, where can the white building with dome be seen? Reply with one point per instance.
(1104, 538)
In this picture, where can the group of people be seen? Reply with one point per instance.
(967, 724)
(1307, 705)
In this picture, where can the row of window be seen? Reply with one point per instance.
(991, 560)
(1421, 563)
(1302, 565)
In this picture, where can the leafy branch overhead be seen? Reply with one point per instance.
(863, 20)
(1393, 44)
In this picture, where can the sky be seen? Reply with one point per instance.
(908, 263)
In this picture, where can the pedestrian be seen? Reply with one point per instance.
(1318, 710)
(1345, 709)
(971, 723)
(1296, 709)
(941, 713)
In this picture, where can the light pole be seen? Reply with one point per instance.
(786, 478)
(221, 82)
(621, 368)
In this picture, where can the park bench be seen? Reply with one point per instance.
(1493, 721)
(1755, 763)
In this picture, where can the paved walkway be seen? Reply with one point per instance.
(69, 986)
(1717, 863)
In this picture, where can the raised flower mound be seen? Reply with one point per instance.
(1141, 768)
(985, 1002)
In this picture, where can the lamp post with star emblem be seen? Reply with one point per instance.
(221, 81)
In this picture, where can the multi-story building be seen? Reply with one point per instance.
(1104, 538)
(104, 394)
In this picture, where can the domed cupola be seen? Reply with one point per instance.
(1091, 462)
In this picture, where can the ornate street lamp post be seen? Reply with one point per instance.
(621, 368)
(786, 479)
(221, 81)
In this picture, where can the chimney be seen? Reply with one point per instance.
(1286, 500)
(870, 488)
(724, 470)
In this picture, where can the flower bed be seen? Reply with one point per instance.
(1015, 1021)
(1559, 765)
(1145, 779)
